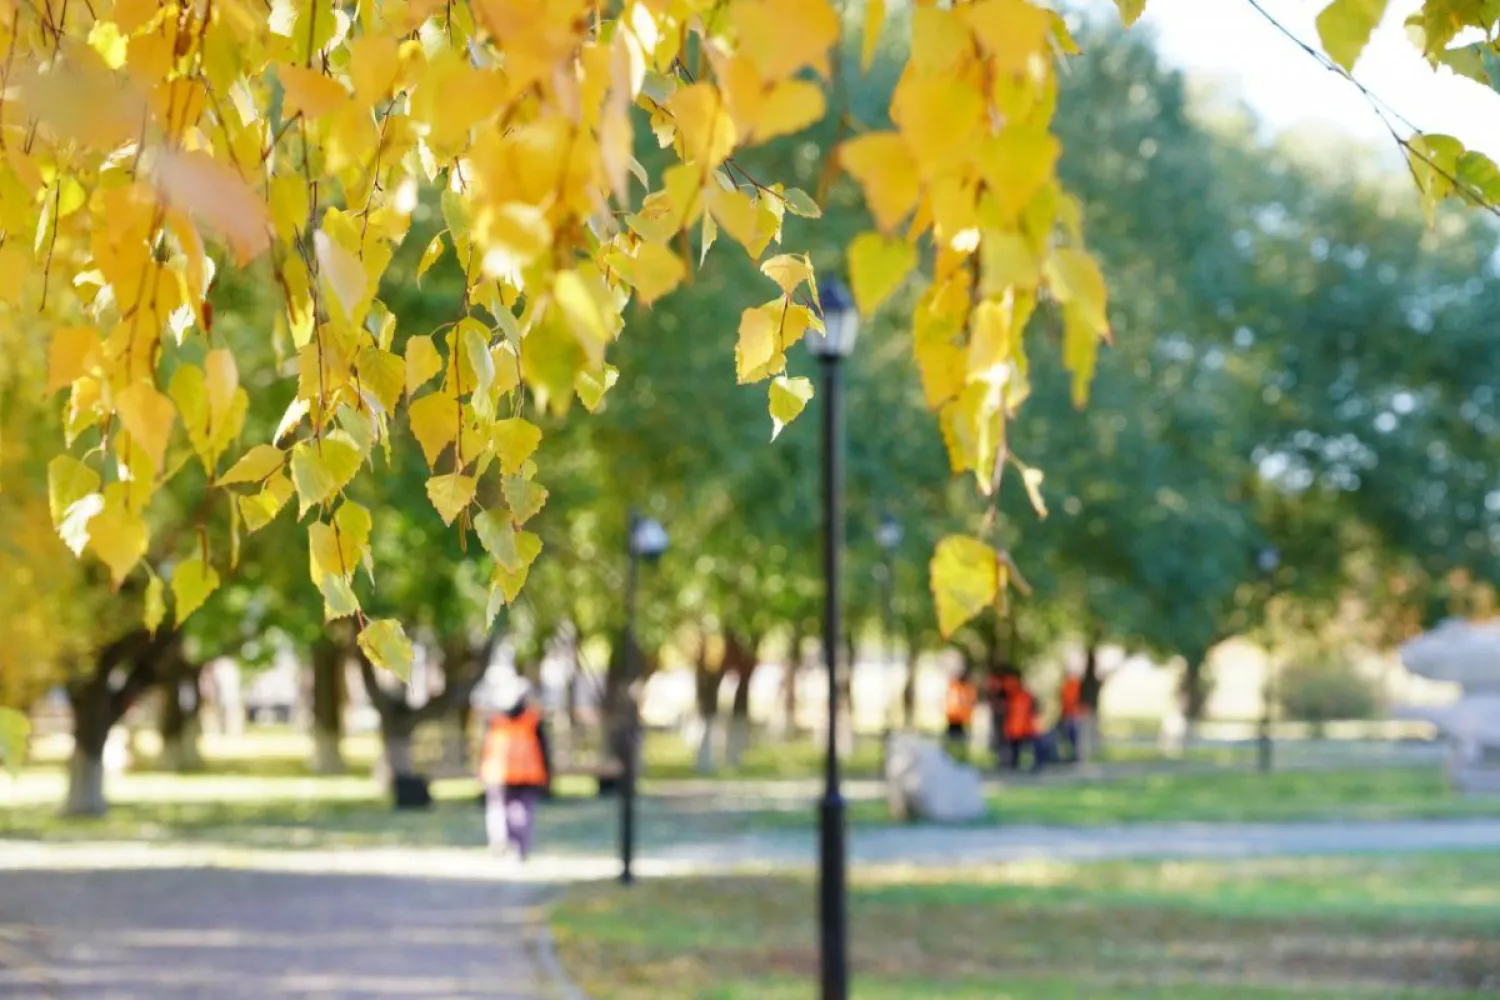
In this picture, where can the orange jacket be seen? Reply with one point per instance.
(1071, 697)
(1020, 714)
(513, 754)
(962, 697)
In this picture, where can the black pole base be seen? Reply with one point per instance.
(833, 898)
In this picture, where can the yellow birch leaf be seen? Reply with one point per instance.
(758, 352)
(1345, 27)
(966, 578)
(254, 466)
(591, 386)
(148, 416)
(524, 496)
(450, 494)
(68, 481)
(339, 600)
(508, 583)
(74, 529)
(430, 256)
(782, 36)
(654, 271)
(118, 537)
(1075, 279)
(382, 375)
(309, 93)
(1016, 164)
(790, 107)
(72, 351)
(515, 441)
(707, 130)
(340, 271)
(788, 397)
(990, 343)
(216, 194)
(1131, 10)
(877, 267)
(434, 420)
(320, 469)
(422, 362)
(374, 61)
(192, 582)
(788, 271)
(883, 166)
(221, 380)
(155, 602)
(870, 40)
(751, 224)
(940, 40)
(384, 641)
(1014, 32)
(260, 509)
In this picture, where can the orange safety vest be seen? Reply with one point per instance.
(513, 751)
(962, 697)
(1071, 697)
(1020, 719)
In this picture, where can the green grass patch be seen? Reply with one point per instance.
(1413, 927)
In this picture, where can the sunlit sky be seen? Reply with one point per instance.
(1227, 40)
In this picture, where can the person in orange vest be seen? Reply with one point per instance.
(1070, 701)
(963, 695)
(1020, 724)
(515, 768)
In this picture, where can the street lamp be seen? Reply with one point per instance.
(647, 542)
(1267, 560)
(888, 536)
(830, 347)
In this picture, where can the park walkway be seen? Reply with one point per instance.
(224, 933)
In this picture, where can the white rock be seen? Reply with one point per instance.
(923, 782)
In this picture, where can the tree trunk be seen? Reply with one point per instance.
(789, 677)
(706, 685)
(181, 722)
(85, 784)
(329, 656)
(97, 705)
(1194, 698)
(395, 742)
(909, 688)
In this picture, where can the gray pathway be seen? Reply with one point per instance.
(224, 934)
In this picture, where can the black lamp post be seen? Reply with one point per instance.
(888, 536)
(647, 542)
(832, 346)
(1267, 560)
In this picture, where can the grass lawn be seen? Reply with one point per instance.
(1369, 927)
(1242, 795)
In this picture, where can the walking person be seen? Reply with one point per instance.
(963, 695)
(1070, 700)
(515, 768)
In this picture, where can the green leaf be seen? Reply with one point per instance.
(799, 202)
(430, 256)
(338, 597)
(788, 398)
(497, 533)
(14, 728)
(1345, 27)
(505, 584)
(525, 496)
(320, 469)
(192, 583)
(156, 603)
(384, 641)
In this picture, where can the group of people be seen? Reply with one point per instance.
(1016, 731)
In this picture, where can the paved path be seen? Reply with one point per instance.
(225, 934)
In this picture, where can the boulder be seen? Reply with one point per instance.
(924, 783)
(1467, 654)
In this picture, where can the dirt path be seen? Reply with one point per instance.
(223, 934)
